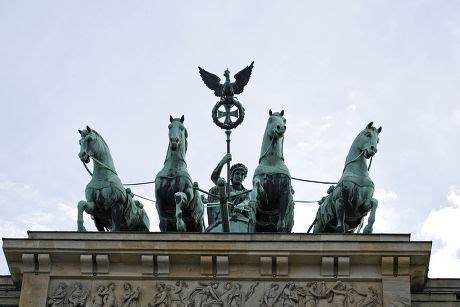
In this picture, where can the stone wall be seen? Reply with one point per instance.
(173, 269)
(9, 293)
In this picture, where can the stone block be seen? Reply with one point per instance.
(387, 265)
(34, 290)
(44, 263)
(206, 265)
(403, 265)
(266, 266)
(282, 266)
(28, 263)
(343, 267)
(102, 264)
(327, 266)
(396, 291)
(222, 265)
(163, 265)
(86, 263)
(147, 264)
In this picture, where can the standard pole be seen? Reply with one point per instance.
(224, 207)
(228, 132)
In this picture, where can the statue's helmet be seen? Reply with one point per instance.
(240, 167)
(227, 73)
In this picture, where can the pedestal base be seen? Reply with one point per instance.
(217, 269)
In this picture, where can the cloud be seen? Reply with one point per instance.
(357, 96)
(454, 196)
(352, 107)
(304, 216)
(385, 195)
(24, 208)
(442, 225)
(456, 117)
(388, 213)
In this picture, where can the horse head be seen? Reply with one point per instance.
(89, 145)
(177, 133)
(367, 140)
(276, 126)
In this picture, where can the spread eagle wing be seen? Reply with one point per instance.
(242, 78)
(212, 81)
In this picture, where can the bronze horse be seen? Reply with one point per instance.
(107, 201)
(272, 192)
(347, 203)
(179, 205)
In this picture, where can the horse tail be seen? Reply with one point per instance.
(135, 215)
(312, 224)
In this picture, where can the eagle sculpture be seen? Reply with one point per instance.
(227, 89)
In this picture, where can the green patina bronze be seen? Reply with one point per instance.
(227, 89)
(178, 203)
(268, 207)
(241, 217)
(228, 216)
(347, 203)
(107, 201)
(228, 107)
(271, 196)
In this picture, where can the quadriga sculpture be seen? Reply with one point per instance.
(179, 205)
(272, 191)
(107, 201)
(347, 203)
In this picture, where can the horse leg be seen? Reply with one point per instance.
(285, 220)
(291, 205)
(259, 191)
(117, 216)
(83, 206)
(99, 225)
(180, 199)
(370, 221)
(339, 206)
(199, 205)
(317, 227)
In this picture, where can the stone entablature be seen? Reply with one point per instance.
(252, 269)
(9, 293)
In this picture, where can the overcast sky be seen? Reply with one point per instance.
(123, 67)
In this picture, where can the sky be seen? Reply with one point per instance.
(123, 67)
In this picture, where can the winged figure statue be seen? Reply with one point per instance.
(227, 89)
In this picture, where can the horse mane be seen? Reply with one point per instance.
(102, 139)
(186, 136)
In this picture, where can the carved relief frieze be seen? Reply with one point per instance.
(71, 294)
(113, 295)
(180, 293)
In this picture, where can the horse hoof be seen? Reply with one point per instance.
(367, 230)
(180, 197)
(81, 229)
(261, 190)
(281, 227)
(180, 226)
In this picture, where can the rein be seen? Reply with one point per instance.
(270, 146)
(100, 163)
(352, 161)
(103, 165)
(355, 159)
(180, 156)
(91, 174)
